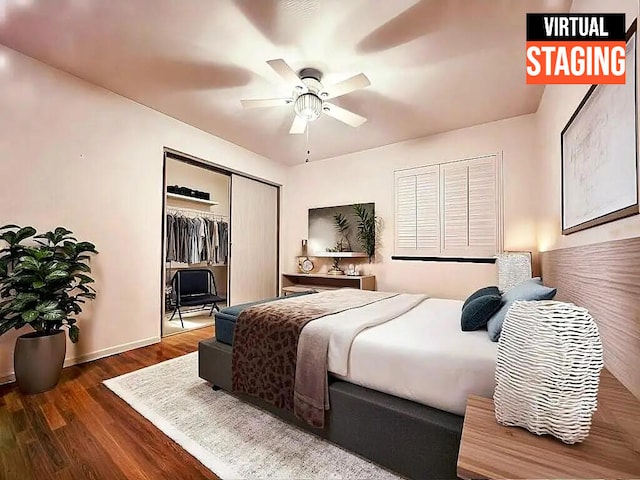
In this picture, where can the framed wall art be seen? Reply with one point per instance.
(600, 153)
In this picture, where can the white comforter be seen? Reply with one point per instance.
(421, 354)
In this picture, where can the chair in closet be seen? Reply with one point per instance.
(194, 287)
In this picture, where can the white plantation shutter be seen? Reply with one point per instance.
(449, 209)
(455, 213)
(428, 211)
(406, 212)
(483, 208)
(417, 212)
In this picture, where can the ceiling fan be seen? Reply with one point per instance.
(309, 97)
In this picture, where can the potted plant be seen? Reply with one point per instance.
(366, 223)
(42, 284)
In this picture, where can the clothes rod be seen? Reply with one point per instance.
(191, 210)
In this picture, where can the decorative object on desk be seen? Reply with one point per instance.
(599, 153)
(305, 265)
(43, 284)
(513, 268)
(337, 256)
(366, 224)
(548, 369)
(335, 266)
(351, 270)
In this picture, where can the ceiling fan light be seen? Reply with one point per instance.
(308, 106)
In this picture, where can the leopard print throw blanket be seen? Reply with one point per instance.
(266, 338)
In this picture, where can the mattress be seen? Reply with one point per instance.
(424, 356)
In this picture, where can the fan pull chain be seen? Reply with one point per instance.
(307, 136)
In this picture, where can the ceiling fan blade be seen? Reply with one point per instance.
(347, 86)
(265, 102)
(286, 72)
(298, 126)
(343, 115)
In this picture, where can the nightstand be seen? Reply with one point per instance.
(612, 449)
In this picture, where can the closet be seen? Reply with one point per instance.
(254, 230)
(220, 228)
(197, 210)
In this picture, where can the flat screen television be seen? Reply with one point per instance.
(325, 236)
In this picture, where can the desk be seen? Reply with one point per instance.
(323, 281)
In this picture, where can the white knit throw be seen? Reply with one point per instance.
(548, 369)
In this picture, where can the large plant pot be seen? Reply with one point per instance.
(38, 359)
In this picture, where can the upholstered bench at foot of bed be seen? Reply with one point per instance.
(225, 326)
(227, 317)
(214, 363)
(409, 438)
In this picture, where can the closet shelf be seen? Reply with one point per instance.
(192, 199)
(176, 265)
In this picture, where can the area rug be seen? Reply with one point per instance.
(231, 438)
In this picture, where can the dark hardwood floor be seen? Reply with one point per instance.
(81, 430)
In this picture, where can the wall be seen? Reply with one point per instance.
(368, 177)
(83, 157)
(557, 105)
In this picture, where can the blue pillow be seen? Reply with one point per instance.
(478, 311)
(480, 293)
(529, 290)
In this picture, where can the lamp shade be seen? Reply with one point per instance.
(513, 268)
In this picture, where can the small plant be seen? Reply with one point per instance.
(341, 223)
(335, 266)
(43, 285)
(366, 229)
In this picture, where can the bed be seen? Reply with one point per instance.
(398, 396)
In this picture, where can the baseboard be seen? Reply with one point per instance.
(89, 357)
(107, 352)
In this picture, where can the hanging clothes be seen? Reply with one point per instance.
(171, 239)
(198, 239)
(216, 243)
(223, 231)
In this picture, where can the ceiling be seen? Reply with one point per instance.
(434, 65)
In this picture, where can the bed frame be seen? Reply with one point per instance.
(406, 437)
